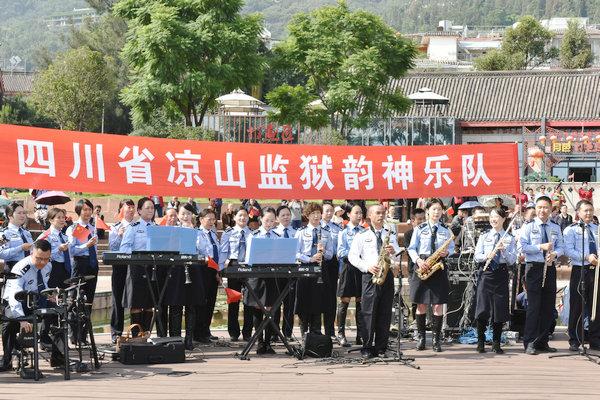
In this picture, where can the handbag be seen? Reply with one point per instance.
(141, 338)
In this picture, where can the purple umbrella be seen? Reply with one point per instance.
(52, 198)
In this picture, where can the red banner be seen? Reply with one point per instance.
(102, 163)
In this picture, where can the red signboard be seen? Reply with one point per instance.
(102, 163)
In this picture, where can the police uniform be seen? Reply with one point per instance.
(582, 241)
(435, 289)
(331, 272)
(11, 251)
(542, 300)
(492, 285)
(425, 240)
(376, 299)
(234, 243)
(208, 245)
(136, 293)
(310, 292)
(28, 280)
(61, 260)
(287, 325)
(350, 281)
(118, 279)
(179, 294)
(85, 259)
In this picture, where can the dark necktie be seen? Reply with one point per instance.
(593, 248)
(66, 255)
(24, 239)
(214, 247)
(268, 235)
(92, 252)
(379, 241)
(356, 229)
(42, 301)
(497, 256)
(433, 238)
(315, 241)
(285, 233)
(544, 238)
(242, 247)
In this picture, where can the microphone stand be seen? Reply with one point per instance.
(582, 291)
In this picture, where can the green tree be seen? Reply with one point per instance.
(18, 111)
(348, 59)
(74, 89)
(575, 49)
(183, 54)
(292, 105)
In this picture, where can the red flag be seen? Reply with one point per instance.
(162, 221)
(44, 235)
(212, 264)
(80, 233)
(233, 296)
(450, 211)
(100, 224)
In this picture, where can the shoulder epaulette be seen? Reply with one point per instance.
(228, 229)
(117, 224)
(423, 225)
(326, 227)
(528, 222)
(443, 225)
(253, 233)
(26, 268)
(553, 222)
(136, 223)
(275, 233)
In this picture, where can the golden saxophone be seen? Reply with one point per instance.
(434, 260)
(383, 262)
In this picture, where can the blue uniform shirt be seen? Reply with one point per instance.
(135, 237)
(230, 243)
(531, 237)
(79, 249)
(55, 241)
(114, 239)
(27, 280)
(205, 246)
(280, 230)
(487, 242)
(11, 250)
(574, 235)
(345, 238)
(420, 242)
(335, 231)
(305, 243)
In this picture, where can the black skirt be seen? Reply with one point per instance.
(266, 289)
(309, 296)
(178, 293)
(430, 291)
(58, 275)
(350, 282)
(492, 295)
(137, 293)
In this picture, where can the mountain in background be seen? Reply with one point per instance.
(24, 31)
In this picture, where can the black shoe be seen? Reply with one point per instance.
(57, 361)
(366, 353)
(261, 349)
(421, 342)
(496, 348)
(269, 349)
(574, 347)
(6, 368)
(481, 347)
(213, 337)
(188, 343)
(546, 349)
(204, 340)
(530, 350)
(358, 341)
(246, 338)
(437, 346)
(234, 339)
(341, 339)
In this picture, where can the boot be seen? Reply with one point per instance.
(261, 346)
(480, 336)
(136, 318)
(359, 326)
(342, 310)
(497, 333)
(420, 331)
(437, 333)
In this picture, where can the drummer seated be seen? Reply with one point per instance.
(32, 274)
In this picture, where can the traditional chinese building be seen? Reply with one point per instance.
(553, 115)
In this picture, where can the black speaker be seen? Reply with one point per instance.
(455, 310)
(317, 345)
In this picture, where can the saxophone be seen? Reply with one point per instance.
(383, 262)
(434, 260)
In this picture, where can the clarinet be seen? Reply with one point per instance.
(320, 279)
(188, 279)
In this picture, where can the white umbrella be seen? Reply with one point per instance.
(427, 96)
(238, 98)
(490, 200)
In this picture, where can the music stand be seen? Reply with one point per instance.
(581, 285)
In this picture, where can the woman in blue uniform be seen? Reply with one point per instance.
(426, 239)
(492, 288)
(137, 296)
(61, 259)
(266, 289)
(17, 240)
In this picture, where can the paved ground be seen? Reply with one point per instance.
(214, 373)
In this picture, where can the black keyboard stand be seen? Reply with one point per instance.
(269, 319)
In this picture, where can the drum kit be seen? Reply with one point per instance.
(66, 308)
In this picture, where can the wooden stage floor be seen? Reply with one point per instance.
(213, 373)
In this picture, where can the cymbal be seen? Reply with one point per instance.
(50, 291)
(77, 279)
(8, 275)
(75, 286)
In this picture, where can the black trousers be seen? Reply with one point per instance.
(58, 275)
(310, 322)
(10, 330)
(287, 326)
(376, 312)
(233, 313)
(205, 313)
(541, 304)
(576, 304)
(117, 314)
(82, 267)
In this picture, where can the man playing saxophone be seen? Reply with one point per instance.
(427, 285)
(366, 252)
